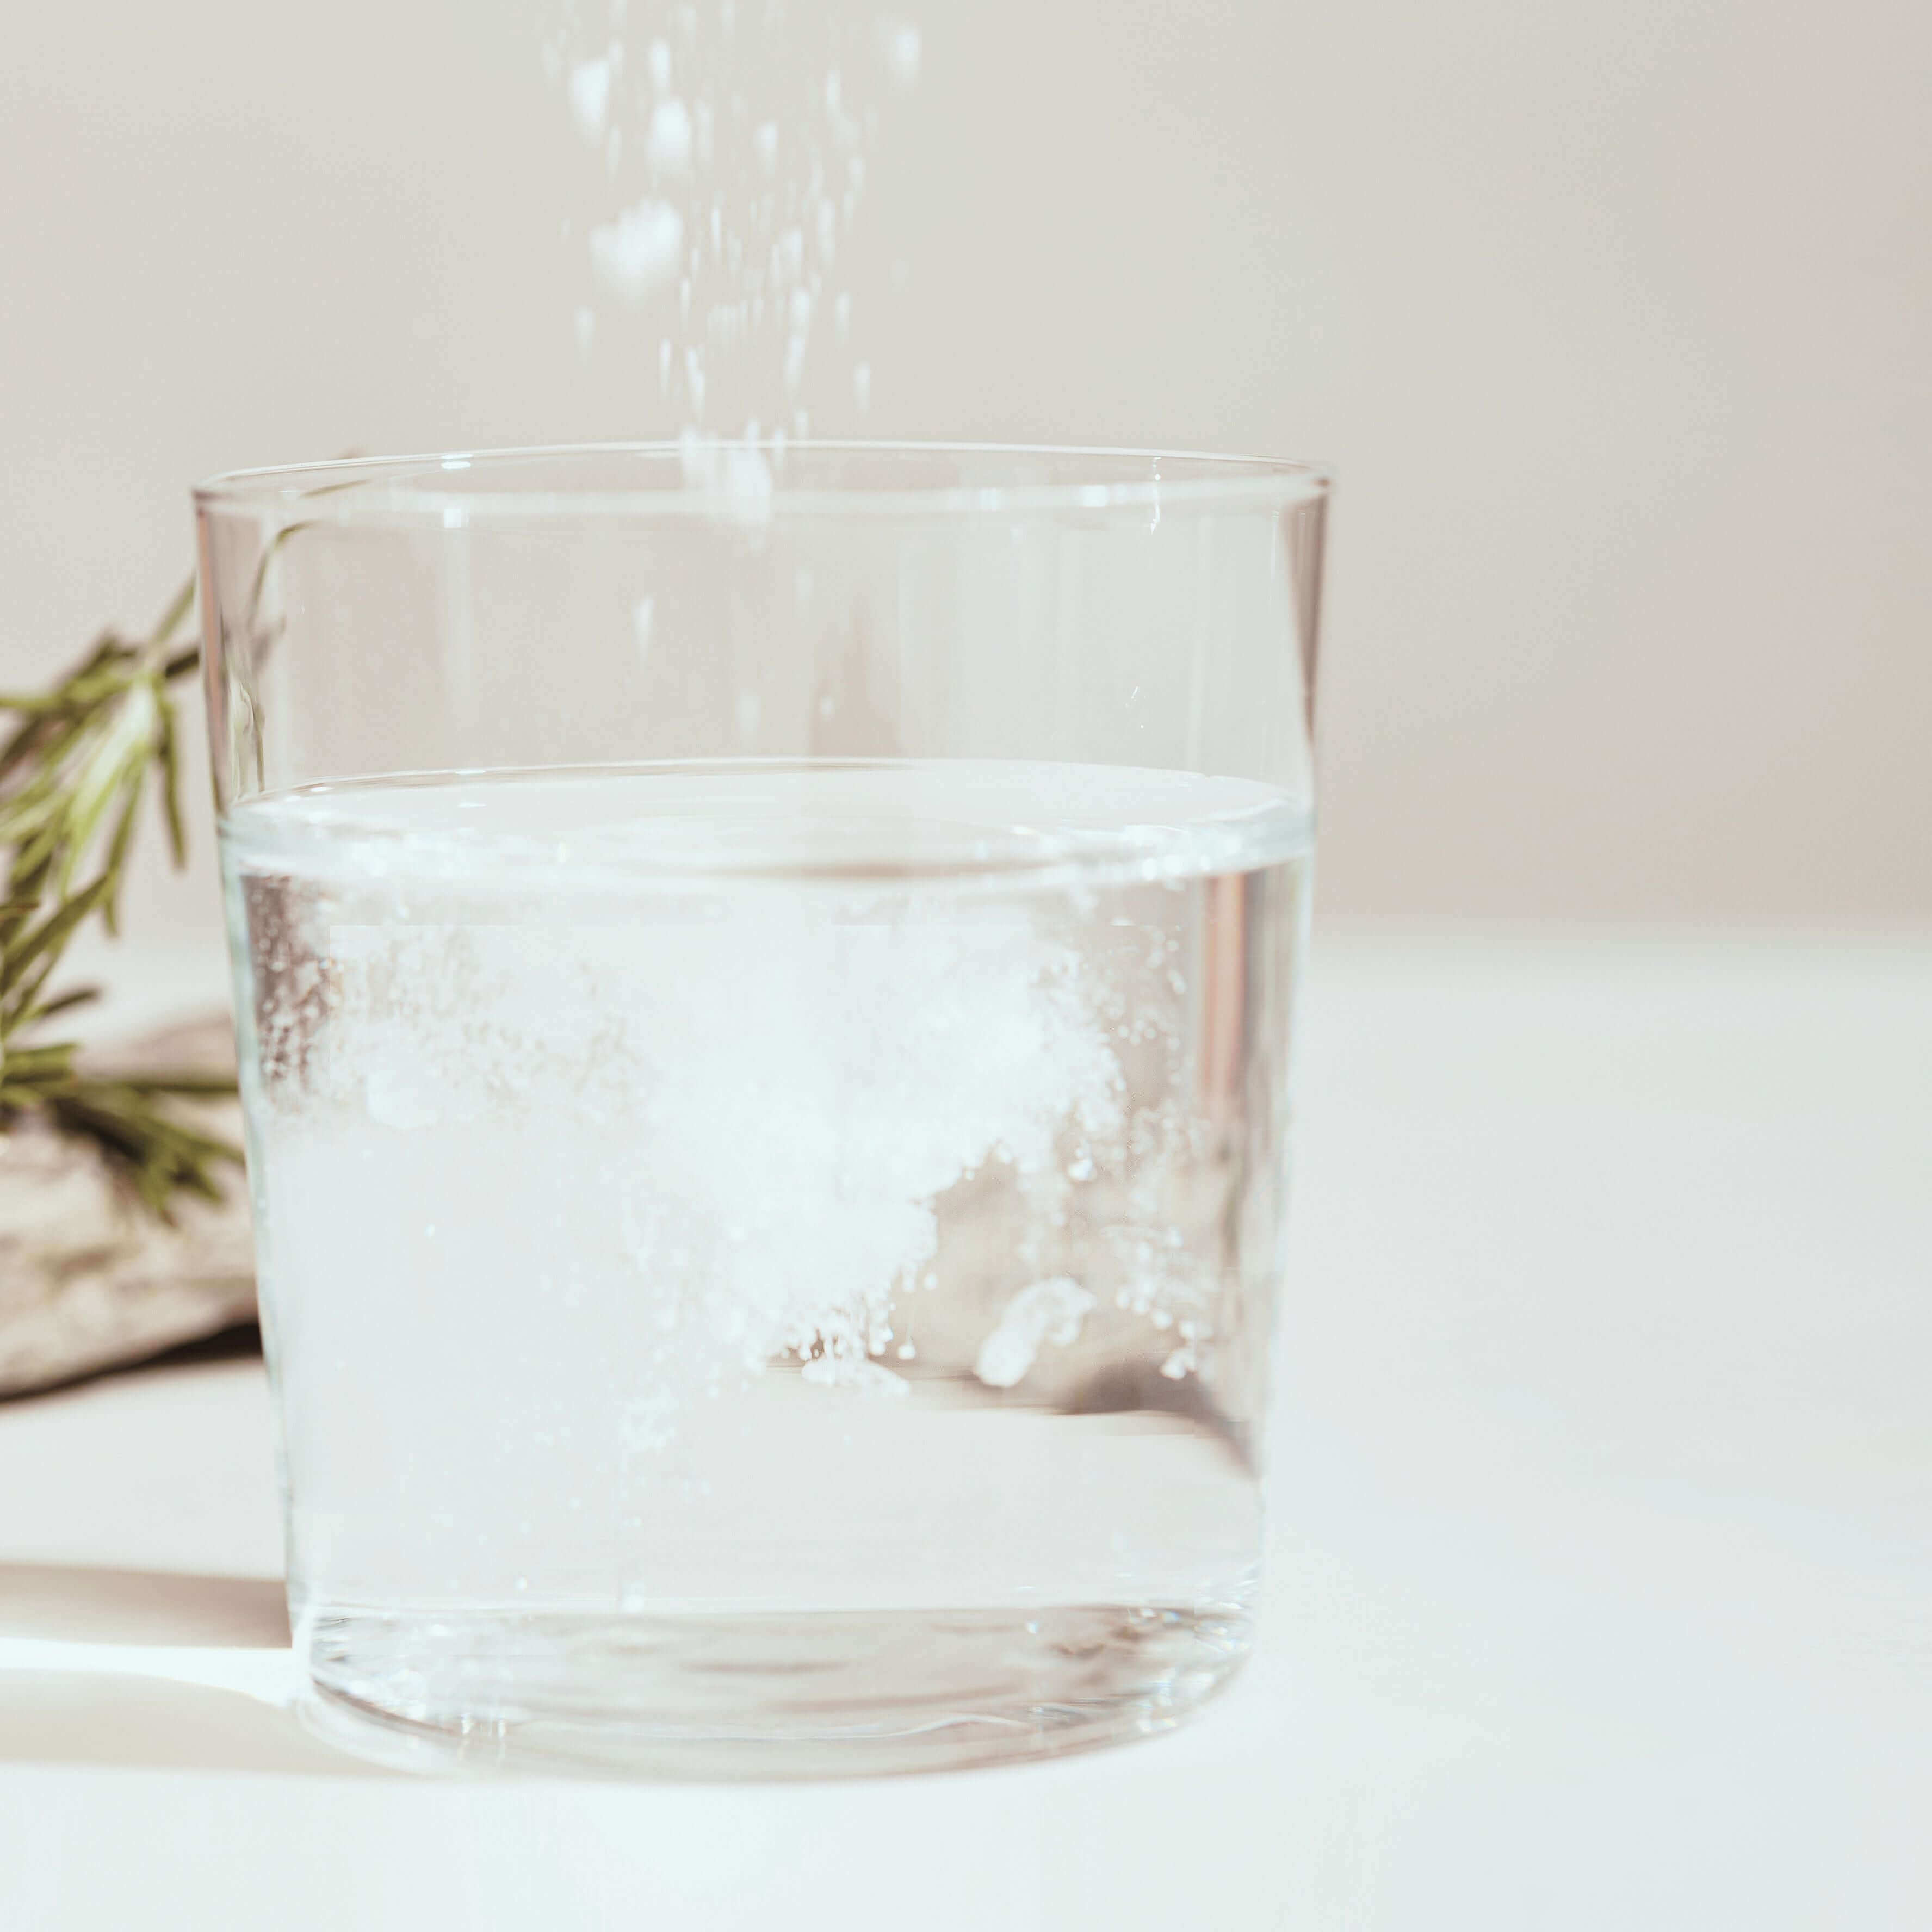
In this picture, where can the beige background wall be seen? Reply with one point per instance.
(1618, 320)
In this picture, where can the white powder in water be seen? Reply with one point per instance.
(779, 1099)
(738, 1123)
(1049, 1311)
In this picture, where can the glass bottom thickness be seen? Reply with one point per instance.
(821, 1694)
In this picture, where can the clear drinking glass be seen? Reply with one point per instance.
(764, 978)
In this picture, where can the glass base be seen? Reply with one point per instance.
(823, 1694)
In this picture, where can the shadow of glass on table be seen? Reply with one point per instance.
(128, 1667)
(141, 1623)
(143, 1668)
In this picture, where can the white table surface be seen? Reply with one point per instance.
(1600, 1594)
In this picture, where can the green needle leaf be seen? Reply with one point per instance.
(73, 772)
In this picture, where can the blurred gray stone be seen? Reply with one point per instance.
(88, 1279)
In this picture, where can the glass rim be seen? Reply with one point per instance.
(404, 489)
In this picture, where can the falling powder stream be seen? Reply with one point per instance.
(737, 143)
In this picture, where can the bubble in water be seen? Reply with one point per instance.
(660, 66)
(639, 251)
(861, 386)
(641, 613)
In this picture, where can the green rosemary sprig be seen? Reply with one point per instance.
(73, 776)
